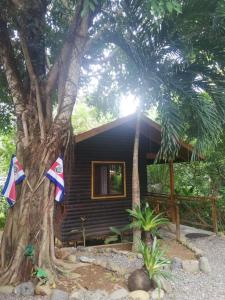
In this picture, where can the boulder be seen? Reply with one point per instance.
(72, 258)
(139, 280)
(61, 253)
(158, 294)
(85, 259)
(59, 295)
(118, 294)
(191, 266)
(176, 263)
(43, 289)
(139, 295)
(204, 265)
(6, 289)
(24, 289)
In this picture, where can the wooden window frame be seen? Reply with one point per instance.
(100, 162)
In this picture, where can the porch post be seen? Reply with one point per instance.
(172, 192)
(135, 180)
(174, 208)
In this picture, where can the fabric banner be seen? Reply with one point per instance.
(56, 175)
(15, 176)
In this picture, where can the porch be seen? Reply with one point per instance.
(186, 210)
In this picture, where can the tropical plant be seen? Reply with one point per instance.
(118, 235)
(146, 220)
(155, 262)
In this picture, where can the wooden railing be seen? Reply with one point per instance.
(196, 211)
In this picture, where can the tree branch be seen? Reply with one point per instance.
(35, 83)
(12, 74)
(65, 106)
(66, 51)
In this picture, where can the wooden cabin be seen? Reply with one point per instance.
(100, 186)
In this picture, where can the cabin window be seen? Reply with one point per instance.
(108, 179)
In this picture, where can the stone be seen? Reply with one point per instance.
(116, 268)
(89, 295)
(198, 252)
(24, 289)
(59, 295)
(118, 294)
(176, 263)
(191, 266)
(61, 253)
(43, 289)
(139, 295)
(158, 294)
(6, 289)
(139, 280)
(100, 262)
(72, 258)
(204, 265)
(85, 259)
(139, 256)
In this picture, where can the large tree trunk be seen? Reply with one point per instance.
(135, 182)
(30, 221)
(41, 138)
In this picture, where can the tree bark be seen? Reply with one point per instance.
(40, 141)
(30, 221)
(135, 182)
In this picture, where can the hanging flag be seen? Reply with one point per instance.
(15, 176)
(56, 175)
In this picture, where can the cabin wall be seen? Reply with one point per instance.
(115, 144)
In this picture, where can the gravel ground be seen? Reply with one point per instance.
(187, 286)
(11, 297)
(128, 264)
(203, 286)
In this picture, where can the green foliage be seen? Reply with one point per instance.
(29, 251)
(146, 220)
(41, 275)
(175, 66)
(118, 234)
(89, 5)
(87, 117)
(155, 261)
(7, 149)
(3, 211)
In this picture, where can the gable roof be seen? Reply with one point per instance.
(147, 126)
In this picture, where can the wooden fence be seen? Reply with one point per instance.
(197, 211)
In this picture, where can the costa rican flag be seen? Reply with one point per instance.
(15, 176)
(56, 175)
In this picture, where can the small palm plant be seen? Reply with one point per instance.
(155, 262)
(145, 219)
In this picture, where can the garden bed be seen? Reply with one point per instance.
(172, 249)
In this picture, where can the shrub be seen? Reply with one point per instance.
(155, 262)
(146, 220)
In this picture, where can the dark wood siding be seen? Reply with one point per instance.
(113, 145)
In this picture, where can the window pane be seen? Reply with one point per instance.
(115, 179)
(101, 180)
(108, 179)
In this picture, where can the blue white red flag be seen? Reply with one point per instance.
(15, 176)
(56, 175)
